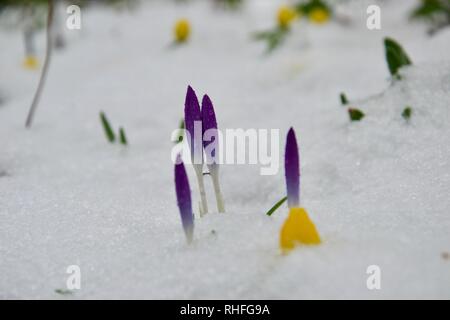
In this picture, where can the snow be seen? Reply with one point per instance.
(378, 190)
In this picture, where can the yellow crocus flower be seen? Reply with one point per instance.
(319, 16)
(182, 30)
(285, 16)
(30, 62)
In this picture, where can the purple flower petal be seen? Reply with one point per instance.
(192, 115)
(210, 125)
(208, 114)
(292, 170)
(183, 192)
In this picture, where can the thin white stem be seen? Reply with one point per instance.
(198, 168)
(214, 172)
(44, 72)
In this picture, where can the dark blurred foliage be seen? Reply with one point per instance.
(16, 3)
(21, 3)
(306, 7)
(230, 4)
(430, 9)
(435, 12)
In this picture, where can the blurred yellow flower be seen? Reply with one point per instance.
(319, 16)
(30, 63)
(182, 30)
(285, 16)
(298, 229)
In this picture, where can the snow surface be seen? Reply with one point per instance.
(377, 190)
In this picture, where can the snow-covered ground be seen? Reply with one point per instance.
(378, 190)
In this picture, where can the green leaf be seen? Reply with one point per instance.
(396, 57)
(344, 99)
(355, 114)
(407, 112)
(122, 137)
(276, 206)
(107, 127)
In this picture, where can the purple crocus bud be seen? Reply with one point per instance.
(210, 132)
(292, 170)
(192, 120)
(183, 192)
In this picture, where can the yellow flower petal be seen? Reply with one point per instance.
(298, 229)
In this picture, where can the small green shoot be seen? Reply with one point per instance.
(344, 100)
(180, 131)
(63, 292)
(107, 127)
(355, 114)
(122, 137)
(273, 37)
(396, 57)
(276, 206)
(407, 112)
(109, 132)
